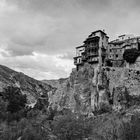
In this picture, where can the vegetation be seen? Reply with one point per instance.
(70, 127)
(16, 100)
(13, 104)
(17, 122)
(130, 55)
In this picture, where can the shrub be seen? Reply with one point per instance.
(132, 129)
(13, 104)
(130, 55)
(26, 130)
(16, 100)
(69, 127)
(3, 109)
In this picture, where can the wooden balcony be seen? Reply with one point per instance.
(78, 60)
(92, 48)
(93, 54)
(93, 60)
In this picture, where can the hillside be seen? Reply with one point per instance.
(89, 104)
(29, 86)
(56, 82)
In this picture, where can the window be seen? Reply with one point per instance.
(116, 55)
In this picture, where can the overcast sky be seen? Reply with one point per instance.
(38, 37)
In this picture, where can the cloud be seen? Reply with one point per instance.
(37, 65)
(20, 29)
(60, 7)
(40, 36)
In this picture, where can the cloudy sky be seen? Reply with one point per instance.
(38, 37)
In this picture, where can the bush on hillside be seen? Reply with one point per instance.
(69, 127)
(16, 101)
(12, 104)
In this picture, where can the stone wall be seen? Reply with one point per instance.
(130, 78)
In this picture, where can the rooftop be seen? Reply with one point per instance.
(99, 31)
(80, 46)
(91, 38)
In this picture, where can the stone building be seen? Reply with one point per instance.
(93, 50)
(117, 47)
(115, 54)
(78, 60)
(97, 51)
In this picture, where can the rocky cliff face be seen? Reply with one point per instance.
(92, 89)
(87, 90)
(29, 86)
(84, 91)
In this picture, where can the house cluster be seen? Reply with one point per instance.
(97, 49)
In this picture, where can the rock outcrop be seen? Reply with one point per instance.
(93, 88)
(120, 98)
(85, 91)
(88, 90)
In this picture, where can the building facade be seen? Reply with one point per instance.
(117, 47)
(93, 50)
(97, 50)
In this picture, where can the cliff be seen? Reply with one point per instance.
(80, 92)
(89, 90)
(94, 89)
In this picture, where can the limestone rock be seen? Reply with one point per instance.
(82, 92)
(120, 98)
(93, 89)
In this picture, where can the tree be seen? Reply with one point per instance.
(3, 109)
(130, 55)
(69, 127)
(16, 101)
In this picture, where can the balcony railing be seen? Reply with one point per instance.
(92, 54)
(92, 47)
(78, 60)
(96, 59)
